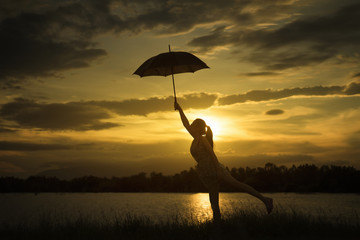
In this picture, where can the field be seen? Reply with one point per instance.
(249, 224)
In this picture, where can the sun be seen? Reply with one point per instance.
(215, 124)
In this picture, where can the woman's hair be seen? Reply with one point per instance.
(199, 123)
(209, 136)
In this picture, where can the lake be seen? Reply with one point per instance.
(17, 208)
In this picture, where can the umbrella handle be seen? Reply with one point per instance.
(172, 75)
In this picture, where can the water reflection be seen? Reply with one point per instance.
(201, 206)
(21, 208)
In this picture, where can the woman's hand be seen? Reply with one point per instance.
(177, 106)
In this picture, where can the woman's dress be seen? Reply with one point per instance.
(206, 166)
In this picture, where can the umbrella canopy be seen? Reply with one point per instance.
(170, 63)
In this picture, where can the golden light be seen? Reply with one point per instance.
(202, 208)
(224, 128)
(215, 124)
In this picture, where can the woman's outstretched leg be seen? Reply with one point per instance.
(214, 201)
(248, 189)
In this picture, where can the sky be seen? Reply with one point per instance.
(283, 84)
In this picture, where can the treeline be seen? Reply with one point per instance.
(270, 178)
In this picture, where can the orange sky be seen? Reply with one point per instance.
(283, 84)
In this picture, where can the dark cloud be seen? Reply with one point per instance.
(266, 95)
(7, 168)
(45, 37)
(180, 16)
(356, 75)
(156, 104)
(6, 130)
(49, 37)
(307, 40)
(256, 74)
(238, 18)
(218, 37)
(166, 165)
(284, 58)
(335, 29)
(353, 88)
(56, 116)
(275, 112)
(101, 158)
(91, 115)
(25, 146)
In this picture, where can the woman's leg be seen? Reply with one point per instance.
(214, 201)
(226, 176)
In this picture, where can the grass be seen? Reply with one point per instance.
(245, 224)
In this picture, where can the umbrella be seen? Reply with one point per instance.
(172, 63)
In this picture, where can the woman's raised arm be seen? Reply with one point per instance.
(184, 119)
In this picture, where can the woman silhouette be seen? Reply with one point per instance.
(210, 171)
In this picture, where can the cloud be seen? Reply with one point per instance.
(266, 95)
(274, 35)
(97, 157)
(353, 88)
(166, 165)
(96, 115)
(6, 130)
(256, 74)
(47, 37)
(173, 17)
(56, 116)
(156, 104)
(334, 29)
(275, 112)
(92, 115)
(26, 146)
(9, 168)
(356, 75)
(218, 37)
(306, 40)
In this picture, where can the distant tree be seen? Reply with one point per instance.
(270, 178)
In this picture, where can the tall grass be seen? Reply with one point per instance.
(243, 224)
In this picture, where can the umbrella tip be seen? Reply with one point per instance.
(169, 48)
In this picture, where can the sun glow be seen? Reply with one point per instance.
(215, 124)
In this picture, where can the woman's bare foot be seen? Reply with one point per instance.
(269, 205)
